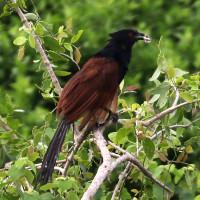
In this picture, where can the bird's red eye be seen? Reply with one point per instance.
(130, 34)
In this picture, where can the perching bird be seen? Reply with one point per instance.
(92, 92)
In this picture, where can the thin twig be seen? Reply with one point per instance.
(40, 49)
(165, 112)
(121, 178)
(177, 96)
(79, 140)
(132, 159)
(65, 55)
(153, 137)
(137, 132)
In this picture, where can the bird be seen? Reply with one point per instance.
(92, 93)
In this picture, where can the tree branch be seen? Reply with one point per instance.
(133, 160)
(79, 140)
(40, 49)
(105, 168)
(121, 178)
(165, 112)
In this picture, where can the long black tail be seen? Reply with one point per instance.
(51, 155)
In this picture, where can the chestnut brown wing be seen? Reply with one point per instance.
(90, 92)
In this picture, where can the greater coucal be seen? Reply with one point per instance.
(92, 92)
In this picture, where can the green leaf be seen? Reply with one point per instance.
(179, 80)
(19, 40)
(131, 149)
(154, 98)
(47, 85)
(33, 156)
(76, 37)
(31, 16)
(189, 149)
(7, 8)
(47, 96)
(48, 118)
(31, 195)
(89, 175)
(179, 72)
(46, 196)
(37, 135)
(49, 186)
(149, 147)
(13, 123)
(9, 104)
(20, 163)
(62, 73)
(49, 132)
(72, 196)
(163, 90)
(121, 85)
(15, 173)
(187, 97)
(197, 197)
(48, 27)
(31, 41)
(31, 165)
(158, 192)
(60, 29)
(39, 29)
(171, 72)
(123, 132)
(7, 135)
(64, 184)
(53, 44)
(192, 140)
(57, 57)
(112, 136)
(29, 176)
(68, 46)
(3, 109)
(155, 75)
(162, 62)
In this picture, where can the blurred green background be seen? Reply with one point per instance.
(177, 21)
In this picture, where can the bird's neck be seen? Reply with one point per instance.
(118, 52)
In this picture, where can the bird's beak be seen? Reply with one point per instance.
(142, 36)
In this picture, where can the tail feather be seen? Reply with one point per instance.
(52, 152)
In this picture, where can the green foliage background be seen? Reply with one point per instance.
(177, 21)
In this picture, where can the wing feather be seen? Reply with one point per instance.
(90, 92)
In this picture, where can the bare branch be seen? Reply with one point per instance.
(128, 157)
(165, 112)
(40, 49)
(153, 137)
(105, 168)
(132, 159)
(121, 178)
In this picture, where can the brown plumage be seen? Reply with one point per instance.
(92, 92)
